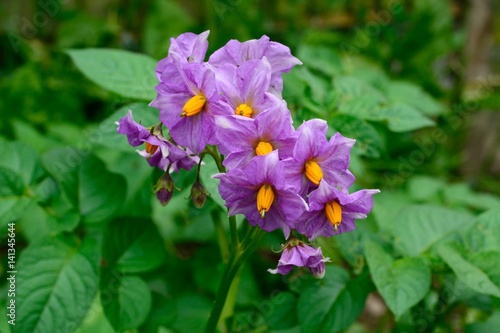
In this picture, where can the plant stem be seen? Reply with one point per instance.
(221, 235)
(236, 260)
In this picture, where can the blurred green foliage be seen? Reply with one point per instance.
(96, 253)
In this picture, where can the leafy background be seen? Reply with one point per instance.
(97, 253)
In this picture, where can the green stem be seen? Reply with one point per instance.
(221, 235)
(233, 228)
(236, 260)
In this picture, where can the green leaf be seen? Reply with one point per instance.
(13, 202)
(128, 74)
(351, 87)
(413, 95)
(94, 191)
(402, 283)
(322, 59)
(387, 206)
(130, 245)
(57, 282)
(484, 234)
(368, 140)
(333, 303)
(22, 159)
(403, 117)
(425, 188)
(418, 227)
(192, 313)
(461, 195)
(474, 277)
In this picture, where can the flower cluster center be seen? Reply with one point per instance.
(244, 110)
(265, 198)
(194, 106)
(313, 172)
(333, 212)
(263, 148)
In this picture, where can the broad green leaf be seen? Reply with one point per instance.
(403, 117)
(57, 282)
(461, 195)
(484, 234)
(163, 313)
(39, 222)
(418, 227)
(132, 245)
(95, 192)
(402, 283)
(277, 310)
(128, 74)
(322, 59)
(13, 199)
(129, 245)
(192, 313)
(474, 277)
(411, 94)
(368, 140)
(106, 133)
(425, 188)
(352, 87)
(22, 159)
(332, 304)
(386, 208)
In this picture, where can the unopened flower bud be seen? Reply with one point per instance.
(198, 194)
(164, 189)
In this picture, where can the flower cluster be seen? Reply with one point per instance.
(277, 176)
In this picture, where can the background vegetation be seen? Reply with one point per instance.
(414, 82)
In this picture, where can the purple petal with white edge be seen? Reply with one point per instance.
(235, 135)
(136, 133)
(311, 139)
(239, 159)
(170, 106)
(360, 201)
(189, 47)
(254, 79)
(294, 175)
(266, 169)
(188, 132)
(276, 122)
(301, 255)
(227, 84)
(292, 205)
(280, 57)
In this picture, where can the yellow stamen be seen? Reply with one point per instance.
(313, 172)
(151, 149)
(333, 212)
(193, 106)
(244, 110)
(263, 148)
(265, 198)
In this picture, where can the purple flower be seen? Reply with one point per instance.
(315, 158)
(332, 212)
(297, 253)
(186, 95)
(159, 152)
(186, 48)
(244, 88)
(243, 140)
(278, 55)
(259, 192)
